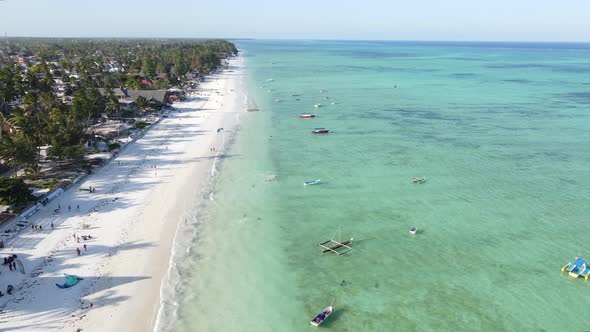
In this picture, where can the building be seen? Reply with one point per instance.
(128, 97)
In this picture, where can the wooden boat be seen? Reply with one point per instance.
(337, 247)
(577, 268)
(320, 131)
(306, 115)
(413, 230)
(419, 180)
(322, 316)
(312, 182)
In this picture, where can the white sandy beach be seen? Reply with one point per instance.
(141, 196)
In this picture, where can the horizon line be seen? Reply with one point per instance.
(305, 39)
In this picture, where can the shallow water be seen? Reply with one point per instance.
(500, 132)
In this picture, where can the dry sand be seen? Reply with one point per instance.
(140, 198)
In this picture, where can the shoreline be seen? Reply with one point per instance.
(133, 219)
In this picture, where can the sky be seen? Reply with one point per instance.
(448, 20)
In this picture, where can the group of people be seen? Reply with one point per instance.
(84, 238)
(37, 228)
(91, 190)
(79, 252)
(10, 261)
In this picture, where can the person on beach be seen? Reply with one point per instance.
(69, 208)
(52, 226)
(78, 208)
(40, 228)
(58, 206)
(84, 246)
(78, 251)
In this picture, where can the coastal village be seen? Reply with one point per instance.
(68, 111)
(67, 106)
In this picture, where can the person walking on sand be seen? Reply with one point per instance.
(69, 208)
(78, 251)
(52, 225)
(78, 208)
(84, 246)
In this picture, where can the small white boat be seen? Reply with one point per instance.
(322, 316)
(278, 100)
(419, 180)
(312, 182)
(413, 230)
(317, 105)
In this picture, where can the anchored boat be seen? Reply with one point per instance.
(322, 316)
(419, 180)
(337, 247)
(577, 268)
(320, 131)
(312, 182)
(306, 115)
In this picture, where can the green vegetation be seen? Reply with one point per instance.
(44, 183)
(114, 146)
(50, 88)
(14, 191)
(141, 125)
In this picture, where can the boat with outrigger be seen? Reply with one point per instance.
(577, 268)
(336, 247)
(322, 316)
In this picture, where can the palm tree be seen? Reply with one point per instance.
(112, 105)
(142, 102)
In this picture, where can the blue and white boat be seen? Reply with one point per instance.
(322, 316)
(312, 182)
(577, 268)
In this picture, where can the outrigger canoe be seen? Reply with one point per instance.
(322, 316)
(336, 245)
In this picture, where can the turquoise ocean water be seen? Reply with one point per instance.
(501, 132)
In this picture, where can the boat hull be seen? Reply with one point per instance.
(306, 116)
(321, 317)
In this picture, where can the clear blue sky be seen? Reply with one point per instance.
(504, 20)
